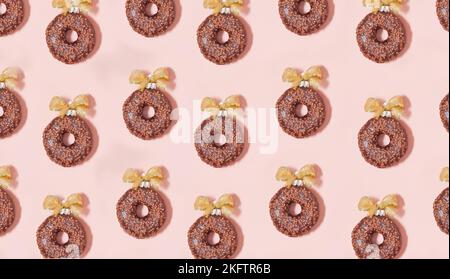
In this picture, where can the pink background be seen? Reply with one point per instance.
(421, 74)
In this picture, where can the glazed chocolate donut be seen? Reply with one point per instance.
(212, 153)
(303, 24)
(137, 123)
(141, 227)
(368, 42)
(290, 122)
(440, 208)
(150, 25)
(212, 49)
(284, 221)
(71, 52)
(48, 231)
(7, 211)
(13, 16)
(200, 231)
(12, 113)
(442, 12)
(362, 238)
(443, 109)
(383, 156)
(53, 138)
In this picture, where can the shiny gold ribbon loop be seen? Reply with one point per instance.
(73, 6)
(223, 206)
(152, 178)
(392, 108)
(310, 78)
(224, 6)
(79, 106)
(5, 177)
(384, 5)
(387, 206)
(303, 177)
(158, 79)
(231, 104)
(9, 78)
(72, 205)
(444, 175)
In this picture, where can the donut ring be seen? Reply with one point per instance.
(134, 225)
(212, 49)
(440, 208)
(290, 122)
(150, 26)
(362, 238)
(442, 12)
(294, 226)
(57, 151)
(213, 154)
(61, 48)
(7, 211)
(12, 18)
(198, 238)
(303, 24)
(383, 156)
(133, 114)
(47, 233)
(371, 47)
(12, 113)
(443, 109)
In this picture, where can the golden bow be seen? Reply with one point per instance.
(71, 6)
(395, 106)
(312, 76)
(160, 78)
(80, 105)
(74, 203)
(217, 5)
(225, 204)
(388, 205)
(307, 175)
(10, 77)
(5, 177)
(154, 176)
(443, 177)
(211, 105)
(376, 5)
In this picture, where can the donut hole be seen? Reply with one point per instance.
(68, 139)
(71, 36)
(142, 211)
(62, 238)
(301, 110)
(2, 112)
(304, 7)
(148, 112)
(377, 238)
(219, 139)
(382, 35)
(151, 9)
(213, 238)
(2, 9)
(222, 37)
(295, 209)
(383, 140)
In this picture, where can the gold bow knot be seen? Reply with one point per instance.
(224, 6)
(9, 78)
(73, 6)
(303, 177)
(158, 79)
(392, 108)
(5, 177)
(443, 177)
(79, 106)
(384, 5)
(223, 206)
(231, 104)
(311, 77)
(72, 205)
(386, 206)
(152, 178)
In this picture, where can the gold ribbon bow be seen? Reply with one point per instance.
(388, 205)
(159, 78)
(154, 176)
(73, 204)
(306, 175)
(443, 177)
(5, 177)
(79, 106)
(73, 6)
(394, 107)
(9, 77)
(311, 77)
(212, 106)
(218, 6)
(377, 5)
(225, 204)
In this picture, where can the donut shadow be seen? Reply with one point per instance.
(409, 37)
(95, 141)
(331, 12)
(178, 12)
(98, 38)
(24, 114)
(17, 212)
(87, 229)
(409, 133)
(322, 212)
(169, 212)
(249, 45)
(26, 15)
(240, 234)
(404, 238)
(328, 113)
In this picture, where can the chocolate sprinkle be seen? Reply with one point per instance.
(443, 109)
(440, 208)
(7, 211)
(150, 25)
(12, 113)
(371, 47)
(200, 231)
(442, 10)
(12, 18)
(303, 24)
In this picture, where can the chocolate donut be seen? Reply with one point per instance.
(304, 126)
(442, 12)
(60, 153)
(374, 49)
(200, 231)
(215, 51)
(12, 113)
(303, 23)
(48, 231)
(443, 109)
(64, 50)
(212, 153)
(440, 208)
(383, 156)
(13, 16)
(7, 211)
(362, 238)
(150, 25)
(284, 221)
(141, 227)
(137, 123)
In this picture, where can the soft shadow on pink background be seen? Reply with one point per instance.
(421, 74)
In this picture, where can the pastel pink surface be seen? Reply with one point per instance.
(421, 74)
